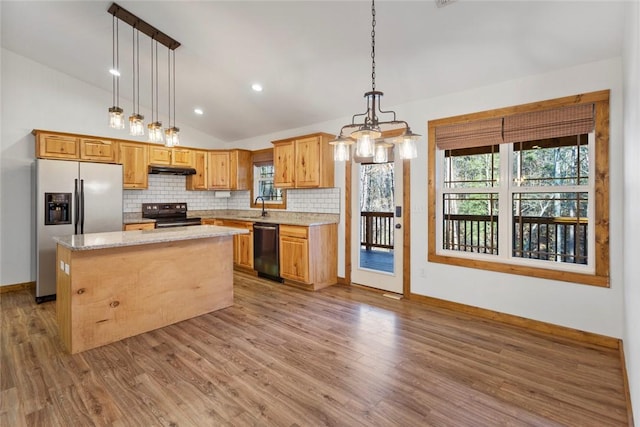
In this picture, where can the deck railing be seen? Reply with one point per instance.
(376, 230)
(561, 239)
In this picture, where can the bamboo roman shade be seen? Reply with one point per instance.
(552, 123)
(472, 134)
(556, 123)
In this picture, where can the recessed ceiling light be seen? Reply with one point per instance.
(114, 72)
(256, 87)
(198, 111)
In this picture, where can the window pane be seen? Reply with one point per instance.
(470, 222)
(472, 168)
(550, 226)
(558, 161)
(263, 184)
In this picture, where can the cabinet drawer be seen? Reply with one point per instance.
(57, 146)
(294, 231)
(238, 224)
(101, 150)
(140, 226)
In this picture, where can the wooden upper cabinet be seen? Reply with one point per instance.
(283, 164)
(98, 150)
(229, 170)
(219, 170)
(182, 157)
(135, 160)
(199, 180)
(240, 170)
(54, 146)
(304, 162)
(159, 155)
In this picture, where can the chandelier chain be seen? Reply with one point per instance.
(373, 45)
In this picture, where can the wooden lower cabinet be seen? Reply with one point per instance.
(140, 226)
(242, 243)
(309, 255)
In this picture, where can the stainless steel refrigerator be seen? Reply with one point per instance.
(72, 198)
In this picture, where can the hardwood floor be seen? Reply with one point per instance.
(287, 357)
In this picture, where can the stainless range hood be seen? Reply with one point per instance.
(170, 170)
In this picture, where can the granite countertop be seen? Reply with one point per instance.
(114, 239)
(273, 217)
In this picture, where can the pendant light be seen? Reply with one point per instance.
(381, 152)
(172, 133)
(155, 127)
(366, 132)
(116, 116)
(136, 120)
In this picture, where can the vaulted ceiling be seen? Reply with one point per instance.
(312, 57)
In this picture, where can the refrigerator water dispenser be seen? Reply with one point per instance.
(57, 208)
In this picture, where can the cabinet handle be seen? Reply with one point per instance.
(114, 304)
(80, 291)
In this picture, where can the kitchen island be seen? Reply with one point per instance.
(112, 286)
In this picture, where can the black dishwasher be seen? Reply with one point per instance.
(266, 254)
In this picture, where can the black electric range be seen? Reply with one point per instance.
(168, 214)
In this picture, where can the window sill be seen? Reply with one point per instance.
(541, 273)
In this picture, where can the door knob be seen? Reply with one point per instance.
(398, 226)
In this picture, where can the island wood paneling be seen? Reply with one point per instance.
(341, 356)
(114, 293)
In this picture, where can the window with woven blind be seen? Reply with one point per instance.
(515, 189)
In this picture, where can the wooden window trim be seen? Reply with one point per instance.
(601, 203)
(259, 157)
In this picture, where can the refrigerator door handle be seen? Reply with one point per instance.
(82, 206)
(77, 208)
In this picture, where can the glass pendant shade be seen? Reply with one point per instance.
(116, 118)
(364, 144)
(341, 152)
(407, 145)
(381, 153)
(155, 132)
(136, 125)
(172, 137)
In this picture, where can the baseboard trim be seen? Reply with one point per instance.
(17, 287)
(342, 281)
(510, 319)
(627, 393)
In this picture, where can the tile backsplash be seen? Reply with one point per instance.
(171, 189)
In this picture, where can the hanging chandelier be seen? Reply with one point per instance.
(367, 134)
(136, 120)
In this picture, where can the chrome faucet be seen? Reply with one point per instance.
(264, 213)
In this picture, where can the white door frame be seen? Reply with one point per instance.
(390, 282)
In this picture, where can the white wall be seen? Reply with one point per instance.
(37, 97)
(588, 308)
(632, 201)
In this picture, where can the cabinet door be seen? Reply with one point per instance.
(244, 250)
(57, 146)
(135, 159)
(219, 170)
(181, 157)
(283, 164)
(240, 170)
(294, 258)
(307, 161)
(98, 150)
(159, 155)
(199, 180)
